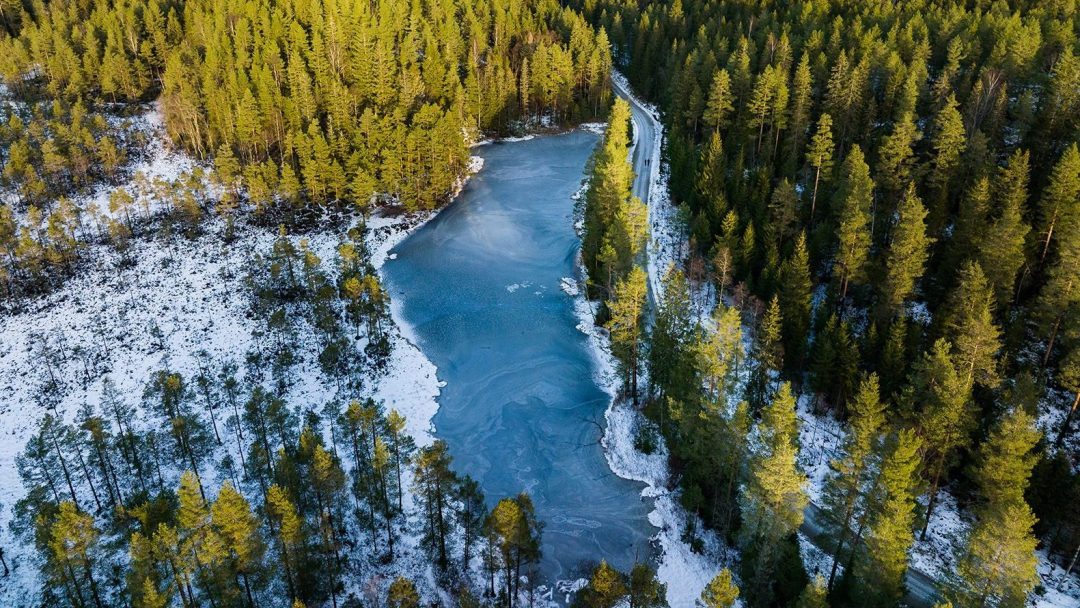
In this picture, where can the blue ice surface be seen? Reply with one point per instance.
(521, 410)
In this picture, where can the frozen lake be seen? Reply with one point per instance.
(521, 410)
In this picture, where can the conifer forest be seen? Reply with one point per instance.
(539, 303)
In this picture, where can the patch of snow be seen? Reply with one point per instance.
(476, 163)
(594, 127)
(569, 286)
(820, 441)
(919, 313)
(815, 561)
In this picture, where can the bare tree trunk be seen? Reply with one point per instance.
(1068, 421)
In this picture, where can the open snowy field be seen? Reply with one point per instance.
(181, 303)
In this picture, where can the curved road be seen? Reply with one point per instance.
(645, 156)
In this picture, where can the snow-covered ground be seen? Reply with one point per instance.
(192, 295)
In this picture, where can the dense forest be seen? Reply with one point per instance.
(884, 199)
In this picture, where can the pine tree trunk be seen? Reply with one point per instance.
(1046, 242)
(1050, 344)
(63, 466)
(389, 530)
(213, 419)
(48, 479)
(1068, 421)
(840, 546)
(93, 584)
(181, 584)
(79, 603)
(397, 465)
(105, 474)
(933, 498)
(247, 589)
(86, 475)
(441, 524)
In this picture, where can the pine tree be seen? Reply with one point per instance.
(844, 496)
(721, 352)
(72, 542)
(644, 589)
(402, 447)
(719, 106)
(1068, 377)
(434, 484)
(1005, 460)
(908, 252)
(709, 181)
(402, 594)
(608, 194)
(833, 362)
(773, 497)
(470, 516)
(238, 529)
(721, 591)
(967, 321)
(944, 419)
(199, 544)
(606, 588)
(997, 566)
(796, 296)
(1001, 248)
(327, 480)
(515, 533)
(972, 219)
(820, 157)
(1060, 204)
(801, 104)
(814, 595)
(852, 203)
(879, 574)
(152, 597)
(627, 326)
(287, 528)
(767, 354)
(783, 214)
(673, 341)
(896, 163)
(948, 140)
(1061, 293)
